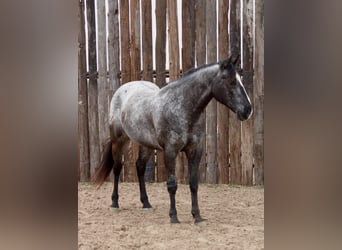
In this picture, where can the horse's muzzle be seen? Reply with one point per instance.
(246, 114)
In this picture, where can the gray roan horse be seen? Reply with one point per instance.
(171, 119)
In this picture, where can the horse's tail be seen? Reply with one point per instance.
(105, 165)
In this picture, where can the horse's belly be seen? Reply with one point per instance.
(144, 136)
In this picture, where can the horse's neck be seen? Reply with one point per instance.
(193, 94)
(199, 96)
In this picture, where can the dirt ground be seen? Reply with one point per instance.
(235, 218)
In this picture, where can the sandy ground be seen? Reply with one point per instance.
(235, 218)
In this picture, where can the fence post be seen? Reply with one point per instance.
(83, 146)
(113, 46)
(131, 154)
(223, 111)
(103, 86)
(247, 126)
(188, 52)
(160, 70)
(94, 143)
(259, 94)
(200, 44)
(146, 18)
(174, 66)
(234, 123)
(211, 110)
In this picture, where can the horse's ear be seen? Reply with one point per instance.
(236, 60)
(225, 63)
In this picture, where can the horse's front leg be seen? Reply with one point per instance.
(194, 158)
(170, 159)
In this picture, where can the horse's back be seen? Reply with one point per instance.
(132, 91)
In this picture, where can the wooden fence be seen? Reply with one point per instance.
(151, 40)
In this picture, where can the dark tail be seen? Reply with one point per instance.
(105, 165)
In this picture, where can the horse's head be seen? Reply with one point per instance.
(229, 90)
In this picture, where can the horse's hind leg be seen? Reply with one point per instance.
(144, 155)
(117, 156)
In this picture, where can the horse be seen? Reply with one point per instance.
(170, 119)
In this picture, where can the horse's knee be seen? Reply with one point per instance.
(193, 183)
(117, 168)
(140, 165)
(172, 184)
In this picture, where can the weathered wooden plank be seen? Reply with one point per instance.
(125, 71)
(160, 70)
(174, 67)
(234, 123)
(188, 34)
(147, 40)
(113, 46)
(223, 111)
(125, 42)
(259, 94)
(146, 17)
(188, 51)
(113, 50)
(173, 39)
(133, 148)
(83, 146)
(103, 86)
(211, 110)
(247, 126)
(135, 39)
(94, 141)
(200, 45)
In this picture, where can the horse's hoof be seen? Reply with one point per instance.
(200, 221)
(115, 206)
(147, 209)
(174, 220)
(147, 206)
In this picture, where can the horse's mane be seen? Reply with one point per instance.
(190, 72)
(194, 70)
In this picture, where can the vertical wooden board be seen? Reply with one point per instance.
(247, 126)
(188, 51)
(200, 46)
(174, 66)
(113, 46)
(223, 111)
(133, 148)
(125, 68)
(173, 39)
(94, 141)
(135, 39)
(125, 42)
(160, 70)
(113, 50)
(188, 34)
(103, 86)
(147, 40)
(259, 94)
(83, 146)
(146, 17)
(234, 123)
(211, 110)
